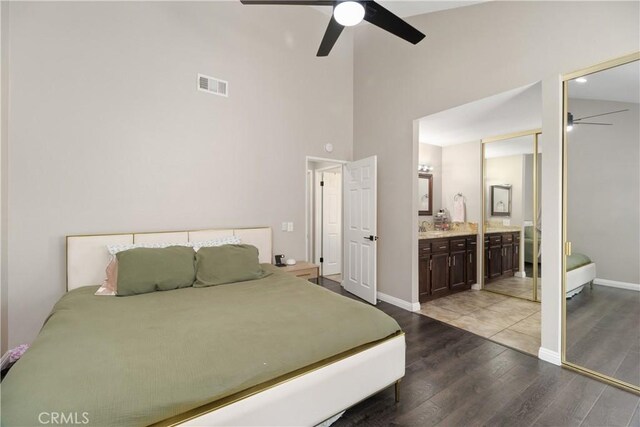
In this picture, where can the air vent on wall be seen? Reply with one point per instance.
(213, 85)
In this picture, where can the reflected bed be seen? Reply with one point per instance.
(581, 271)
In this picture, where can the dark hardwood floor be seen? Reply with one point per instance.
(603, 331)
(456, 378)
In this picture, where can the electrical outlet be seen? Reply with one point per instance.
(506, 222)
(290, 226)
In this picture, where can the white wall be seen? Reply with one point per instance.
(431, 155)
(462, 173)
(109, 134)
(603, 215)
(467, 56)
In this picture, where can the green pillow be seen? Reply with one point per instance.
(227, 264)
(144, 270)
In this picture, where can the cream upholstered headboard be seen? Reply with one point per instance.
(87, 255)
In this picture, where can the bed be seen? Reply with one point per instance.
(580, 272)
(274, 351)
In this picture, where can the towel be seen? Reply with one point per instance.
(458, 210)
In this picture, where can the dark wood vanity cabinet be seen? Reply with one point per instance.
(471, 263)
(446, 266)
(501, 254)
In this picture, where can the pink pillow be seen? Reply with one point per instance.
(109, 286)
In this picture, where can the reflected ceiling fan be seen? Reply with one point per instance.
(347, 13)
(571, 122)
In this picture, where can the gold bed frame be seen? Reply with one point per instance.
(236, 397)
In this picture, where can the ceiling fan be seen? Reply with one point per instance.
(347, 13)
(571, 122)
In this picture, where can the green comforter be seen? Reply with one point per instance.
(135, 360)
(576, 260)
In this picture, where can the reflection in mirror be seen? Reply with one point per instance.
(537, 210)
(602, 223)
(511, 250)
(425, 194)
(501, 200)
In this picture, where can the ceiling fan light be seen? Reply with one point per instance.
(569, 122)
(348, 13)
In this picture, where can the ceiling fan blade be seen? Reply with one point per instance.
(598, 115)
(291, 2)
(381, 17)
(330, 37)
(589, 123)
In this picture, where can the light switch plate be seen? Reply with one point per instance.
(290, 226)
(285, 226)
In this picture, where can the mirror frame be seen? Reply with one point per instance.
(566, 245)
(503, 213)
(535, 133)
(429, 177)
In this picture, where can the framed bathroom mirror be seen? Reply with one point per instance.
(501, 200)
(425, 194)
(601, 279)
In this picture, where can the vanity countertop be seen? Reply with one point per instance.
(512, 229)
(444, 234)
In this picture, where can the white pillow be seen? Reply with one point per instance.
(114, 249)
(219, 241)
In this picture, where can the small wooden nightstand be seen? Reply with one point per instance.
(303, 270)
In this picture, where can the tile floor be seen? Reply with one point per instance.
(517, 286)
(509, 321)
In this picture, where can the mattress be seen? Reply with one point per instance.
(577, 260)
(125, 361)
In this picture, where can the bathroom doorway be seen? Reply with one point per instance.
(324, 216)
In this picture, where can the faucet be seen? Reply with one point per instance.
(422, 227)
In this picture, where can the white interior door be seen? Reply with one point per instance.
(360, 228)
(331, 222)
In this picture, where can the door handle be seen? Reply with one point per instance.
(454, 261)
(372, 238)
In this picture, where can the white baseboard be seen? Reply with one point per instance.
(549, 356)
(520, 274)
(616, 284)
(476, 287)
(399, 302)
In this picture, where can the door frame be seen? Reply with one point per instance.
(309, 211)
(317, 229)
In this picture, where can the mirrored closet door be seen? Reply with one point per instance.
(602, 222)
(511, 168)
